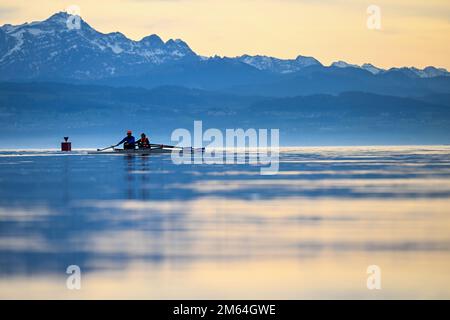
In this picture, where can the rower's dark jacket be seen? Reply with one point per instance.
(129, 142)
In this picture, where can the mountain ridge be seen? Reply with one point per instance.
(40, 48)
(50, 48)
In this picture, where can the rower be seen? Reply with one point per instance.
(143, 142)
(128, 141)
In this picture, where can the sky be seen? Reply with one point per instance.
(411, 33)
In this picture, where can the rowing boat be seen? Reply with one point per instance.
(144, 151)
(131, 151)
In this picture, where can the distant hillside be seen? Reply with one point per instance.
(42, 113)
(335, 80)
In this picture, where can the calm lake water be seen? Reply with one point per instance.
(143, 227)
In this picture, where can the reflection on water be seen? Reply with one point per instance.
(142, 227)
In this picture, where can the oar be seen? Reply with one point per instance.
(106, 148)
(160, 146)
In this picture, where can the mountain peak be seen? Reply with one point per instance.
(152, 40)
(343, 64)
(177, 42)
(366, 66)
(276, 65)
(371, 68)
(60, 14)
(64, 47)
(59, 18)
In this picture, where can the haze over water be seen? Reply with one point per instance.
(142, 227)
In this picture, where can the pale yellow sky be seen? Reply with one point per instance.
(413, 32)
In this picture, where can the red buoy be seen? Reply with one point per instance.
(66, 145)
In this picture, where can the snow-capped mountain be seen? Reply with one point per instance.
(428, 72)
(64, 47)
(278, 65)
(366, 66)
(343, 64)
(52, 48)
(372, 69)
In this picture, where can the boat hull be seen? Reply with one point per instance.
(138, 151)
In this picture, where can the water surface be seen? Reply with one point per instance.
(143, 227)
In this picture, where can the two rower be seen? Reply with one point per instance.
(129, 142)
